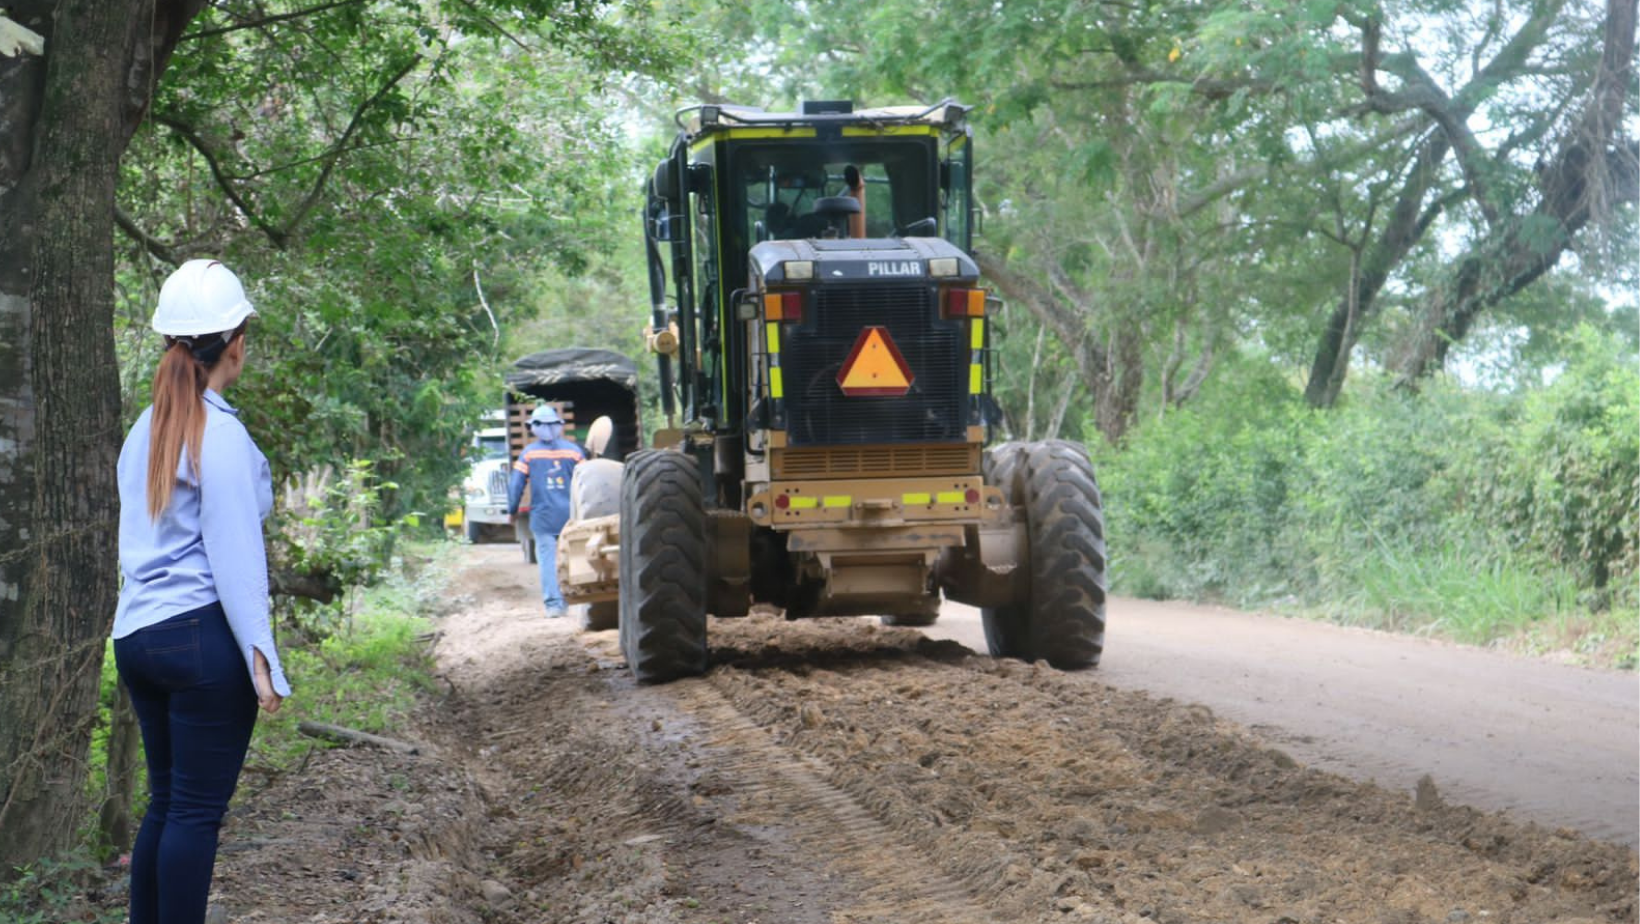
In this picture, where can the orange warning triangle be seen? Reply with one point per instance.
(874, 367)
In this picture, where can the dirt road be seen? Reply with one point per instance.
(1548, 743)
(834, 772)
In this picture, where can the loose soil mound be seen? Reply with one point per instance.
(836, 771)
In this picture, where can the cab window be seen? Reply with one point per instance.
(779, 186)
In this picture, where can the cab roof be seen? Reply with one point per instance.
(713, 117)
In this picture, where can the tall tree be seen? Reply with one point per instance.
(384, 153)
(67, 111)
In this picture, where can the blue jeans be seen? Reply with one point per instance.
(196, 705)
(546, 555)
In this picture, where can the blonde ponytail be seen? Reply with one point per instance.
(178, 421)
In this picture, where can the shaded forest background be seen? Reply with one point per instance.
(1342, 295)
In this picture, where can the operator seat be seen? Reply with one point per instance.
(829, 218)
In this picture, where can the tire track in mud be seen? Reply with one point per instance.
(1053, 797)
(772, 782)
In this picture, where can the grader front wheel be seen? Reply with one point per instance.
(663, 567)
(1060, 614)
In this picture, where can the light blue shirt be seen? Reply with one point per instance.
(207, 545)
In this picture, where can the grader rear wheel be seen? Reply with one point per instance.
(1060, 618)
(663, 567)
(1005, 627)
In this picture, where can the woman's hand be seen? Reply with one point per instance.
(262, 675)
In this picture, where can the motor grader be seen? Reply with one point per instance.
(825, 369)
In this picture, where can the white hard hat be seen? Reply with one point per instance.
(201, 297)
(545, 413)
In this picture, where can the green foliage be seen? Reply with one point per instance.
(392, 187)
(333, 527)
(54, 891)
(1569, 485)
(1473, 515)
(368, 671)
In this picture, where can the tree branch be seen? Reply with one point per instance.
(229, 189)
(267, 20)
(340, 147)
(158, 248)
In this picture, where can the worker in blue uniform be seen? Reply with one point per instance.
(546, 465)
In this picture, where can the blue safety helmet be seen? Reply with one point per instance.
(545, 414)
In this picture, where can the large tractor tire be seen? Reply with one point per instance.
(1060, 615)
(663, 567)
(1005, 628)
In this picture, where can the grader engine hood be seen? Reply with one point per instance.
(862, 260)
(870, 340)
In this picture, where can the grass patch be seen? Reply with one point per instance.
(368, 672)
(58, 890)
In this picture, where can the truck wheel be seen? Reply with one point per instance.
(663, 567)
(475, 533)
(1006, 627)
(596, 617)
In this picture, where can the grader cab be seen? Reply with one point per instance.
(825, 365)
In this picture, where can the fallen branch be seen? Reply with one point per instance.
(353, 736)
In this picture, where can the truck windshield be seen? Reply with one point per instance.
(779, 184)
(490, 447)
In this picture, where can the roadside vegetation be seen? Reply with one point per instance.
(1481, 516)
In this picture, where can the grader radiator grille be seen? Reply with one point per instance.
(935, 351)
(875, 461)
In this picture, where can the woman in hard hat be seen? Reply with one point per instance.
(546, 465)
(192, 639)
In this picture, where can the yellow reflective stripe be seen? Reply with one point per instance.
(976, 379)
(976, 333)
(710, 136)
(771, 333)
(861, 131)
(777, 386)
(805, 503)
(951, 497)
(739, 134)
(836, 500)
(914, 499)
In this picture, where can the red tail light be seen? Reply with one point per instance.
(786, 306)
(964, 303)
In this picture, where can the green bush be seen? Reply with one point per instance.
(1470, 514)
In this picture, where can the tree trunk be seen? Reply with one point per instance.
(1407, 223)
(1114, 377)
(65, 118)
(114, 823)
(1593, 171)
(1116, 397)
